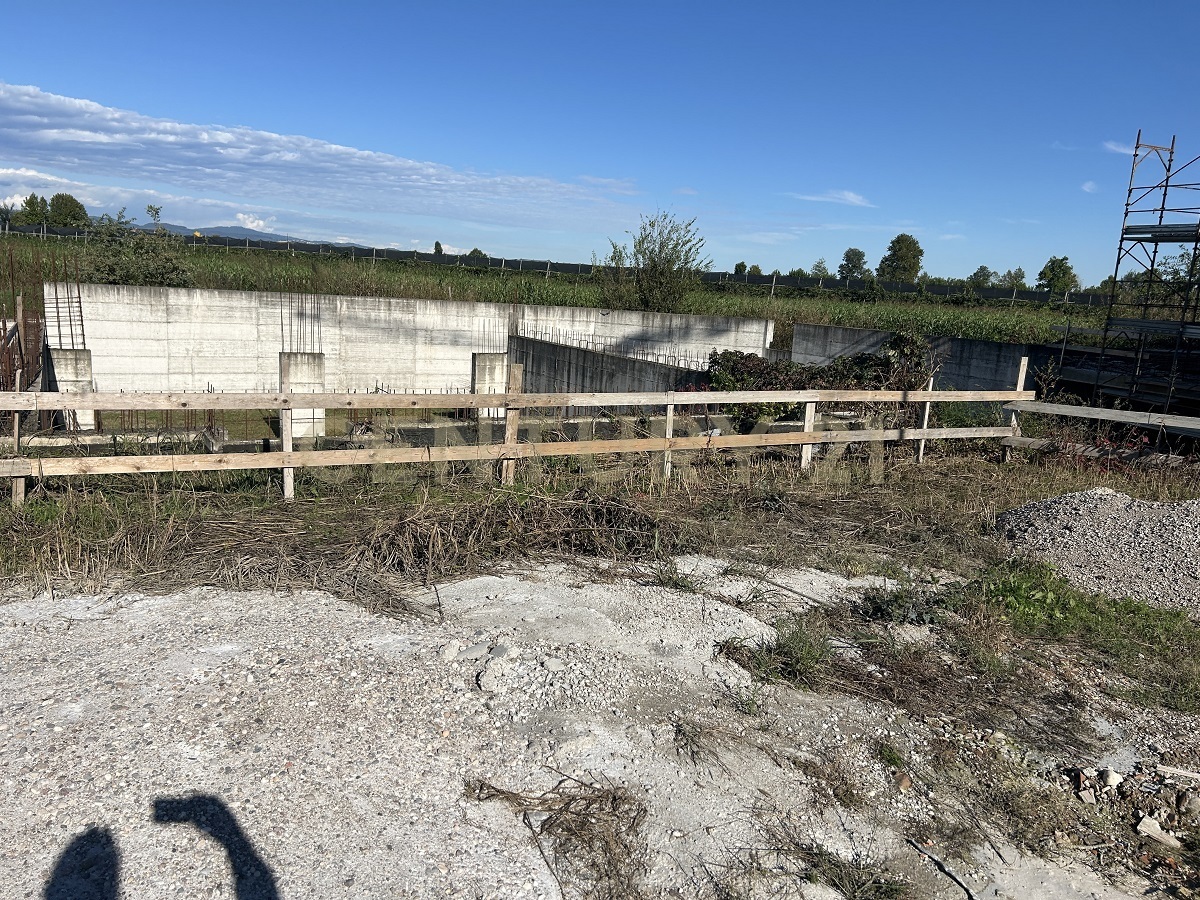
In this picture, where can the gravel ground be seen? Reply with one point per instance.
(1105, 541)
(321, 751)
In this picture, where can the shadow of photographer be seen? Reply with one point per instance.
(90, 866)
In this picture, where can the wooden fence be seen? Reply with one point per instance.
(513, 402)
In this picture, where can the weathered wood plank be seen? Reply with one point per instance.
(205, 462)
(1091, 451)
(512, 424)
(34, 401)
(1110, 415)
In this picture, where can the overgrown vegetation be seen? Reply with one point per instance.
(224, 269)
(903, 363)
(997, 638)
(118, 253)
(657, 272)
(365, 533)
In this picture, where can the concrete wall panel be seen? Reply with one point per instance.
(153, 339)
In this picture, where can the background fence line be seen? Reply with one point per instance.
(549, 267)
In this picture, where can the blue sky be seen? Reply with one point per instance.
(790, 131)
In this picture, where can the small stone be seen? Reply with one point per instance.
(494, 677)
(1191, 805)
(1088, 796)
(475, 651)
(997, 737)
(554, 664)
(500, 650)
(903, 782)
(1150, 828)
(1110, 778)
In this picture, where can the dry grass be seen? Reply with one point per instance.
(374, 549)
(590, 835)
(372, 535)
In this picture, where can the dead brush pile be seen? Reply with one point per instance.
(374, 553)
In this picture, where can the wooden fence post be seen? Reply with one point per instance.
(512, 424)
(18, 482)
(285, 429)
(1006, 453)
(670, 433)
(810, 424)
(924, 424)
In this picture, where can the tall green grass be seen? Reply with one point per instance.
(35, 261)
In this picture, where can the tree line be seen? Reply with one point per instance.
(902, 262)
(60, 211)
(666, 256)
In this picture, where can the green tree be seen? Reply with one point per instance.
(982, 277)
(1013, 280)
(755, 269)
(740, 268)
(1185, 266)
(1057, 276)
(67, 212)
(7, 211)
(854, 264)
(902, 261)
(437, 248)
(819, 269)
(155, 213)
(477, 253)
(665, 261)
(34, 211)
(797, 272)
(120, 253)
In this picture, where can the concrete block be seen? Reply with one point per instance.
(306, 375)
(72, 374)
(489, 375)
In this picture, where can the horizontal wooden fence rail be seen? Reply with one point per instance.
(513, 401)
(1130, 417)
(209, 462)
(36, 401)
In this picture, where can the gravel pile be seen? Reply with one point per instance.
(1102, 540)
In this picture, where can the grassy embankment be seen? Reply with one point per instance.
(267, 271)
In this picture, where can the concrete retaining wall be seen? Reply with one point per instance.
(819, 345)
(555, 368)
(154, 339)
(964, 365)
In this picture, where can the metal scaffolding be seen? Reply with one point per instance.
(1150, 350)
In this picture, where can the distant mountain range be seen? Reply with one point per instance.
(232, 231)
(240, 233)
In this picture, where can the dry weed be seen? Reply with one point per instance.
(590, 835)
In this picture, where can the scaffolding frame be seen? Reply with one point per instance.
(1150, 351)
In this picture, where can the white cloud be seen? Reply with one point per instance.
(14, 200)
(847, 198)
(248, 220)
(1118, 147)
(1089, 187)
(1059, 145)
(624, 186)
(302, 175)
(687, 191)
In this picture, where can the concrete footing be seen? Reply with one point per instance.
(306, 375)
(72, 374)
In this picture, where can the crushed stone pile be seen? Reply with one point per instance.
(1105, 541)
